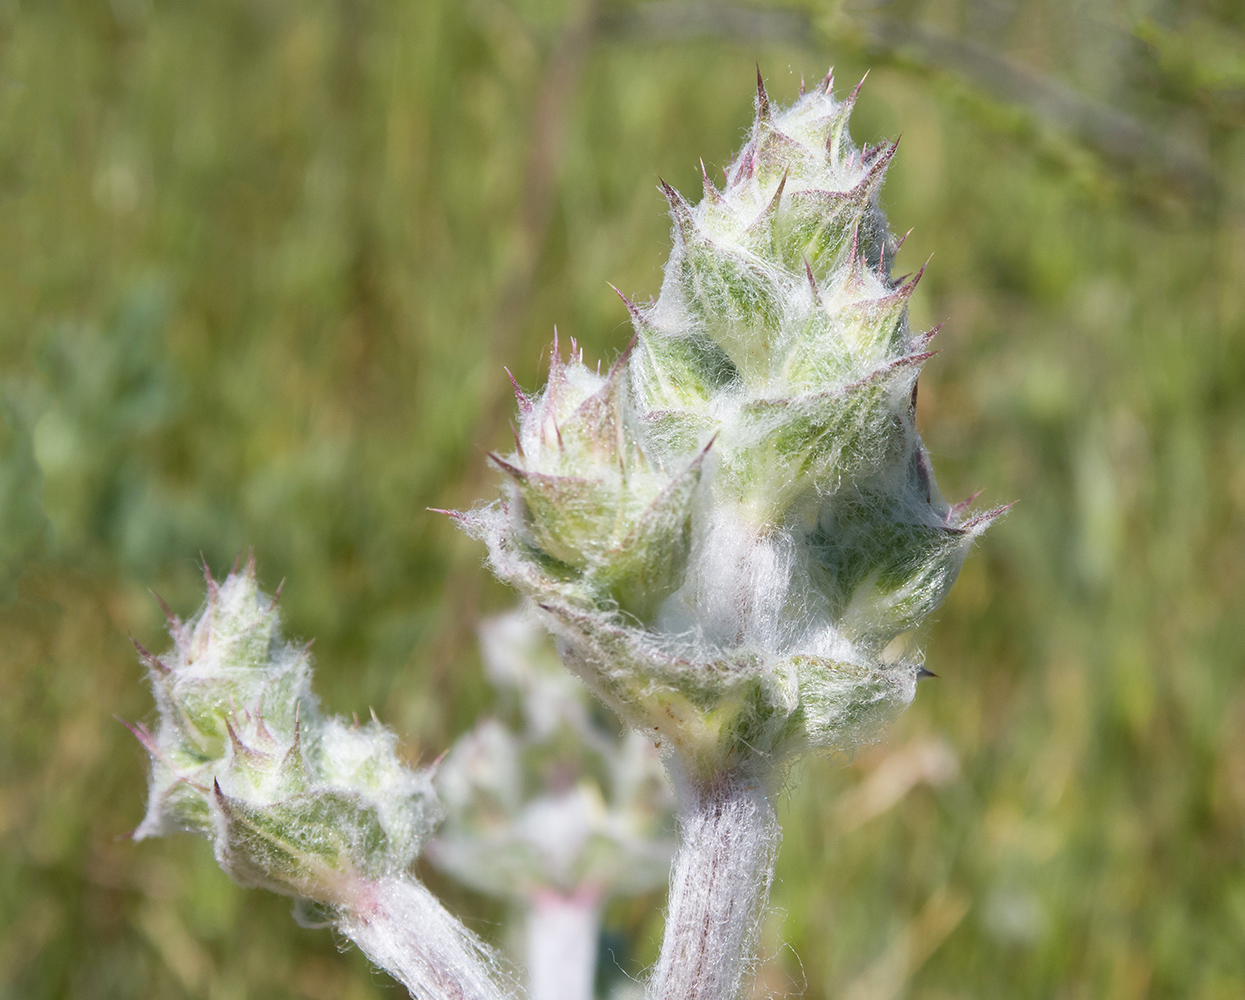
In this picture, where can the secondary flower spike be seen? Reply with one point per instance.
(729, 528)
(293, 801)
(298, 802)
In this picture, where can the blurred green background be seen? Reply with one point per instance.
(261, 263)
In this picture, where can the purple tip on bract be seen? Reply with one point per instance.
(142, 734)
(856, 89)
(679, 209)
(222, 803)
(238, 746)
(963, 505)
(637, 317)
(980, 522)
(812, 280)
(773, 202)
(555, 357)
(168, 615)
(909, 286)
(525, 404)
(177, 628)
(763, 112)
(513, 471)
(212, 588)
(875, 171)
(276, 596)
(261, 730)
(711, 193)
(617, 367)
(924, 339)
(827, 84)
(923, 674)
(153, 662)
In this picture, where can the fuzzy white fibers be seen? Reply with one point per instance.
(718, 888)
(403, 929)
(561, 945)
(736, 586)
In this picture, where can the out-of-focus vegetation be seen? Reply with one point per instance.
(261, 263)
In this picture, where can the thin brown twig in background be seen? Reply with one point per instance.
(1116, 135)
(553, 104)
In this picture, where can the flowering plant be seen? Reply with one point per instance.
(727, 532)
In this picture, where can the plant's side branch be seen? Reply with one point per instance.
(404, 930)
(719, 885)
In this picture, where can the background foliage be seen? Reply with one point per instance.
(261, 263)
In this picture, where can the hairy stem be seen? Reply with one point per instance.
(562, 934)
(718, 889)
(402, 928)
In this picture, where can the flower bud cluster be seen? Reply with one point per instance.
(560, 804)
(292, 800)
(729, 529)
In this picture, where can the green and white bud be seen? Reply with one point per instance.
(729, 529)
(297, 802)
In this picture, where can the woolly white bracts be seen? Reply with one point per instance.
(728, 528)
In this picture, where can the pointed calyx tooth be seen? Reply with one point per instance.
(596, 425)
(212, 588)
(525, 404)
(712, 194)
(957, 510)
(978, 523)
(680, 210)
(638, 320)
(154, 663)
(276, 596)
(176, 629)
(142, 734)
(762, 101)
